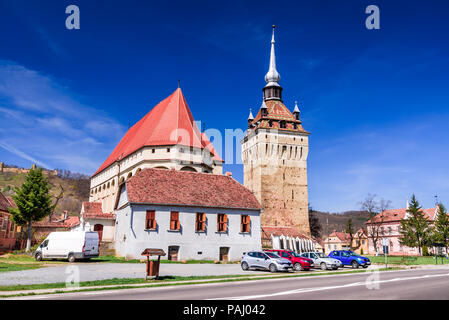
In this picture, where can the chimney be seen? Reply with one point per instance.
(229, 174)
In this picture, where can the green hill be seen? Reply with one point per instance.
(71, 188)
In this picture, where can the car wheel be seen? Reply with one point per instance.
(273, 268)
(355, 264)
(297, 266)
(71, 258)
(245, 266)
(323, 266)
(365, 267)
(38, 257)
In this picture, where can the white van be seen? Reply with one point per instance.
(69, 245)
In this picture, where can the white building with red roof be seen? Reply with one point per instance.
(192, 215)
(92, 218)
(388, 224)
(167, 137)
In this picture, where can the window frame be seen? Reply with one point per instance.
(222, 224)
(150, 220)
(200, 222)
(245, 223)
(175, 224)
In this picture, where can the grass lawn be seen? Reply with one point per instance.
(408, 260)
(6, 267)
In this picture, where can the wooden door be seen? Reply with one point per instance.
(99, 229)
(173, 253)
(224, 254)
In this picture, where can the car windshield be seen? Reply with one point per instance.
(272, 255)
(296, 255)
(352, 253)
(321, 255)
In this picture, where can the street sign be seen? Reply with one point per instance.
(385, 249)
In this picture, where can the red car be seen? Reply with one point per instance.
(299, 263)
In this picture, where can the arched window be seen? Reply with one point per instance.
(129, 175)
(122, 179)
(187, 168)
(138, 170)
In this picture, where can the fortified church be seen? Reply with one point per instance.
(163, 185)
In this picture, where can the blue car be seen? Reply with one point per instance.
(350, 258)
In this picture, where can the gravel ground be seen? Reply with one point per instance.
(101, 271)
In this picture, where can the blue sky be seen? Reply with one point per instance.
(375, 101)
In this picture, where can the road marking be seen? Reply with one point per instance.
(305, 290)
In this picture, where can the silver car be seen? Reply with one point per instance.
(320, 260)
(265, 261)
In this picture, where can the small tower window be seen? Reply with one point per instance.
(282, 124)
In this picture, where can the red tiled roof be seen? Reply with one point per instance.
(57, 222)
(277, 111)
(398, 214)
(94, 210)
(169, 123)
(343, 237)
(210, 147)
(172, 187)
(268, 231)
(72, 221)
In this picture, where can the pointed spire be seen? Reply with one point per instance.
(264, 105)
(251, 117)
(296, 107)
(272, 77)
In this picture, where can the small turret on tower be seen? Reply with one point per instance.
(296, 111)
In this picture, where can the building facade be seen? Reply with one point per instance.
(274, 154)
(8, 230)
(92, 218)
(189, 215)
(167, 137)
(342, 241)
(387, 225)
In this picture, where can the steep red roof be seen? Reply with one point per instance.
(268, 231)
(169, 123)
(172, 187)
(398, 214)
(94, 210)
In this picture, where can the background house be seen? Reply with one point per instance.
(388, 224)
(8, 230)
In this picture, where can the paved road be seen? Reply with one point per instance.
(99, 271)
(409, 284)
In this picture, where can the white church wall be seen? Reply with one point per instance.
(132, 238)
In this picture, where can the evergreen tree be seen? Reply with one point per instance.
(350, 231)
(441, 229)
(314, 223)
(33, 201)
(415, 227)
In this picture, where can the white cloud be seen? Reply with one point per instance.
(47, 123)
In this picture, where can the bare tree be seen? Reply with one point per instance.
(57, 199)
(373, 229)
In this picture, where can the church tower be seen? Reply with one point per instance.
(274, 154)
